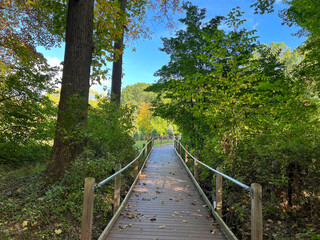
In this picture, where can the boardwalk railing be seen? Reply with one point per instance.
(90, 186)
(255, 191)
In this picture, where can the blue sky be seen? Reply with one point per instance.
(139, 66)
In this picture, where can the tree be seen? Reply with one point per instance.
(144, 118)
(170, 132)
(160, 124)
(305, 14)
(70, 136)
(117, 63)
(135, 94)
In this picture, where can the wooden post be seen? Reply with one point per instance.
(143, 153)
(87, 212)
(180, 149)
(117, 187)
(186, 155)
(136, 165)
(219, 192)
(196, 166)
(256, 212)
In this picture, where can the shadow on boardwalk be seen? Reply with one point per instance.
(165, 204)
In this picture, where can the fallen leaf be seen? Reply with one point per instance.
(131, 216)
(162, 227)
(188, 186)
(184, 221)
(58, 231)
(181, 198)
(153, 219)
(162, 202)
(25, 223)
(172, 215)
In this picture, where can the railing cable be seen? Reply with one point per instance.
(103, 182)
(249, 189)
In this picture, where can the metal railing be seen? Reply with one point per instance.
(255, 191)
(90, 186)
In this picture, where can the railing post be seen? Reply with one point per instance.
(186, 155)
(87, 212)
(180, 149)
(117, 187)
(256, 212)
(143, 153)
(196, 166)
(136, 165)
(219, 192)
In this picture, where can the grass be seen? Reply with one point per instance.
(139, 144)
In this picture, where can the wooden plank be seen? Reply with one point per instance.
(219, 192)
(165, 204)
(222, 224)
(256, 212)
(123, 204)
(87, 212)
(117, 187)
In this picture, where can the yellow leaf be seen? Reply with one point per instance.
(25, 223)
(19, 190)
(58, 231)
(162, 227)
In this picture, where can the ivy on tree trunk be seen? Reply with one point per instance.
(70, 137)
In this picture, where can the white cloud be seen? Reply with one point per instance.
(255, 25)
(53, 61)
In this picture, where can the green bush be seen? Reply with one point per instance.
(17, 155)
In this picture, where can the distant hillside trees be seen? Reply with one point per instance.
(135, 94)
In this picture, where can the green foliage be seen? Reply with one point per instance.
(245, 108)
(154, 134)
(170, 132)
(109, 130)
(27, 117)
(134, 95)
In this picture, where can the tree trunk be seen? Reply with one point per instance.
(70, 139)
(117, 64)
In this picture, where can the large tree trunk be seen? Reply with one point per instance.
(70, 139)
(117, 64)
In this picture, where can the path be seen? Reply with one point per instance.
(165, 205)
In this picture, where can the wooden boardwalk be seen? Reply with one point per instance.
(165, 204)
